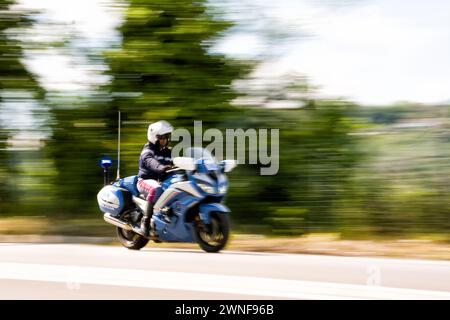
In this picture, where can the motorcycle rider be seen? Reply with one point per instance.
(155, 160)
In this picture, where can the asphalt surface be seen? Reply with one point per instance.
(73, 271)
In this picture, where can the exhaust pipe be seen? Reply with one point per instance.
(118, 223)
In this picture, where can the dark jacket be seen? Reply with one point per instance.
(153, 160)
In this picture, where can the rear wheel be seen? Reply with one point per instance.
(130, 239)
(214, 236)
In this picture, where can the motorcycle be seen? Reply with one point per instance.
(190, 207)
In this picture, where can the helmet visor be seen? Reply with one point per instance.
(163, 136)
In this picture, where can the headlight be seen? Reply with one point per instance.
(207, 188)
(223, 189)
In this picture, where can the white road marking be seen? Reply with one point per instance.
(117, 250)
(255, 286)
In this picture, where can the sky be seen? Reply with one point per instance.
(90, 25)
(374, 52)
(370, 51)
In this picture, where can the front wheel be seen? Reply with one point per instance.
(130, 239)
(214, 236)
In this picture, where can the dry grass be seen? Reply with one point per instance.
(40, 229)
(332, 245)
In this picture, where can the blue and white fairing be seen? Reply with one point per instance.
(206, 187)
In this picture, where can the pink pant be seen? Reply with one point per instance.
(148, 188)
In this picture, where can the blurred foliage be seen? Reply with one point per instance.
(163, 70)
(358, 171)
(15, 83)
(317, 157)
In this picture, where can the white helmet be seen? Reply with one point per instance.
(158, 129)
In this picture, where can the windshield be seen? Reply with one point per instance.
(199, 153)
(202, 154)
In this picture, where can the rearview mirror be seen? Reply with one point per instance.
(228, 165)
(185, 163)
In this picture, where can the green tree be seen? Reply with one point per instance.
(317, 159)
(161, 70)
(164, 70)
(14, 80)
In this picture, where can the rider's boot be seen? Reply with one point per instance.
(145, 221)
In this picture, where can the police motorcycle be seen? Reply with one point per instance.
(190, 207)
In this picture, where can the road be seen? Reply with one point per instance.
(73, 271)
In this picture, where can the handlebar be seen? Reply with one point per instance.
(174, 170)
